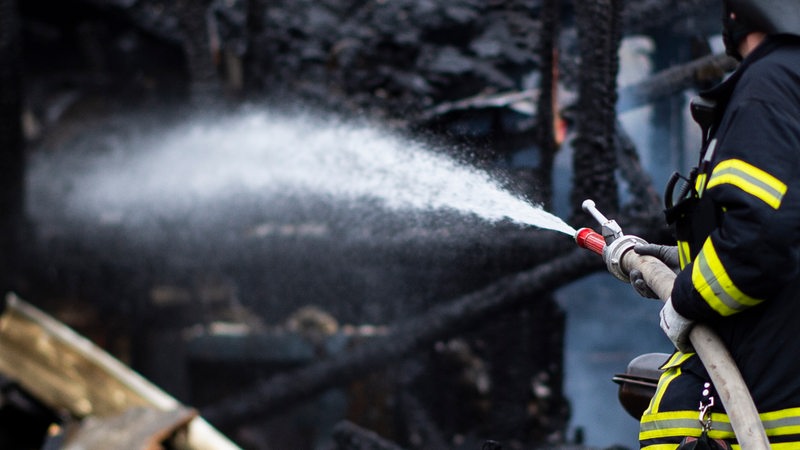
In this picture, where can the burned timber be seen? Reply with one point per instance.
(304, 333)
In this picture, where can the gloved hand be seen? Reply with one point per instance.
(668, 254)
(676, 327)
(639, 285)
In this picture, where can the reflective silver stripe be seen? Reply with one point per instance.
(782, 423)
(749, 179)
(681, 423)
(701, 264)
(669, 424)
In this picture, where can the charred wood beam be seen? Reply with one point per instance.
(520, 101)
(153, 16)
(349, 436)
(665, 83)
(594, 158)
(229, 28)
(11, 140)
(645, 201)
(420, 426)
(547, 106)
(186, 23)
(410, 335)
(205, 84)
(509, 251)
(674, 80)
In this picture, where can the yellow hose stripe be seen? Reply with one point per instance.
(712, 281)
(750, 179)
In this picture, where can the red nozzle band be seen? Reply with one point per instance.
(590, 240)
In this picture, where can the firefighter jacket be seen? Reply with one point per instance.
(739, 232)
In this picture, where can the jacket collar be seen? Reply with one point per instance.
(723, 91)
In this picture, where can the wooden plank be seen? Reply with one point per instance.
(135, 429)
(68, 372)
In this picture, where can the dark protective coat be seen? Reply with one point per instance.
(739, 242)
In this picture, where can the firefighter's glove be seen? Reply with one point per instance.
(639, 285)
(676, 327)
(665, 253)
(668, 254)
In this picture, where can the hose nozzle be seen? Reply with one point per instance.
(611, 245)
(590, 240)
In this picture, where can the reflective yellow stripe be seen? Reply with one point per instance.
(750, 179)
(684, 423)
(684, 254)
(700, 184)
(676, 360)
(780, 446)
(712, 281)
(661, 447)
(663, 381)
(781, 423)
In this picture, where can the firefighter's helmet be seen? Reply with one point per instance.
(768, 16)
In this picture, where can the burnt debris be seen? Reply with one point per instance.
(600, 30)
(411, 333)
(12, 150)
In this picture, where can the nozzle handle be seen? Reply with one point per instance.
(611, 230)
(590, 240)
(590, 207)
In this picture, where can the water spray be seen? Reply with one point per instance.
(615, 248)
(185, 172)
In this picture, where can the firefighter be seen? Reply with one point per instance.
(737, 224)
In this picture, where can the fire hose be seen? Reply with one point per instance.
(616, 250)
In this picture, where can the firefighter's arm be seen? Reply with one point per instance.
(752, 254)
